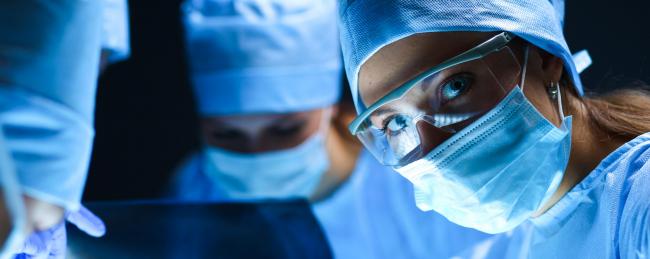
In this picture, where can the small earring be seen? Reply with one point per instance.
(553, 89)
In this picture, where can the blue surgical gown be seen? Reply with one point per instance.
(49, 62)
(371, 215)
(607, 215)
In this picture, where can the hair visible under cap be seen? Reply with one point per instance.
(622, 113)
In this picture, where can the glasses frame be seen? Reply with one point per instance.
(490, 46)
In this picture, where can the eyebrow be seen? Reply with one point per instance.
(380, 112)
(430, 78)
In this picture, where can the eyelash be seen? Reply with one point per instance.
(385, 121)
(439, 89)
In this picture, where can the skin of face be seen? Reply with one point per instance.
(260, 133)
(396, 63)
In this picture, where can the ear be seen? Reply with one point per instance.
(552, 66)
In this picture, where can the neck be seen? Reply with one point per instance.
(589, 146)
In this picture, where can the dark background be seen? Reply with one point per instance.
(146, 125)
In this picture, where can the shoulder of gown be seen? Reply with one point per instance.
(186, 179)
(634, 232)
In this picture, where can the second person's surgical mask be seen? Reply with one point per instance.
(289, 173)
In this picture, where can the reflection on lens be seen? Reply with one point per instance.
(444, 120)
(404, 143)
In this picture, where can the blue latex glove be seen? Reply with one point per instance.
(51, 243)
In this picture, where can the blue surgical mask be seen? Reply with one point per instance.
(289, 173)
(497, 172)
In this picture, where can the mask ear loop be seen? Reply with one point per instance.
(523, 73)
(557, 85)
(559, 101)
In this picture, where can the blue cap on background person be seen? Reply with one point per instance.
(262, 56)
(115, 30)
(50, 61)
(369, 25)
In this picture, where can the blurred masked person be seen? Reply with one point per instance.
(267, 80)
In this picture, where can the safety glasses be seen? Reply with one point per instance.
(408, 122)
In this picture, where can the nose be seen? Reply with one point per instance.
(252, 145)
(431, 136)
(243, 144)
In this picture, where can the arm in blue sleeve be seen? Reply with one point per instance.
(634, 235)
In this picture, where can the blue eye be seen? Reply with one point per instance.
(396, 124)
(455, 87)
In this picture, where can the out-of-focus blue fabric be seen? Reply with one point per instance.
(372, 215)
(607, 215)
(52, 50)
(48, 71)
(115, 30)
(254, 56)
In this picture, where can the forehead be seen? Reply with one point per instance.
(396, 63)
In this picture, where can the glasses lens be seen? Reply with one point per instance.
(447, 101)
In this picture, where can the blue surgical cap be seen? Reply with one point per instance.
(263, 56)
(115, 30)
(49, 62)
(368, 25)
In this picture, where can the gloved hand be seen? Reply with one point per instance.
(51, 243)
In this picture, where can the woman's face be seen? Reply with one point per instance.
(405, 59)
(260, 133)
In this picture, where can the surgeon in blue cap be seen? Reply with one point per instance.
(51, 58)
(479, 105)
(267, 80)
